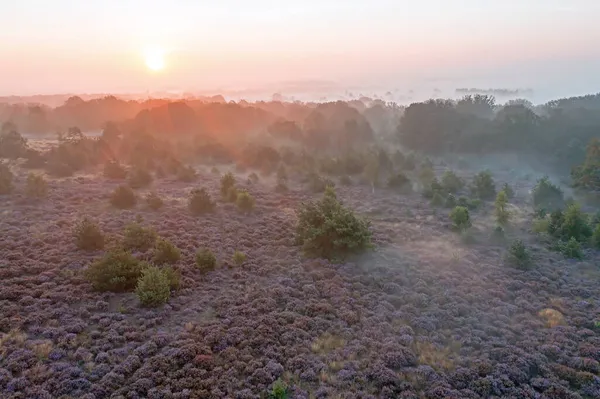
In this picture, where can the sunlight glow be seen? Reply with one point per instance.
(155, 58)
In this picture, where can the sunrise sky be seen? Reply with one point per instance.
(103, 46)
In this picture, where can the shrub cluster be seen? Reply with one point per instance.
(238, 258)
(519, 256)
(547, 196)
(200, 202)
(115, 171)
(88, 235)
(451, 183)
(36, 187)
(205, 260)
(483, 186)
(140, 178)
(328, 229)
(165, 252)
(139, 238)
(117, 271)
(245, 202)
(154, 201)
(227, 182)
(187, 174)
(153, 287)
(6, 179)
(460, 218)
(123, 197)
(399, 181)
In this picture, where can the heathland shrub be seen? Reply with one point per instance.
(187, 174)
(123, 197)
(140, 178)
(139, 238)
(510, 193)
(238, 258)
(279, 390)
(483, 185)
(596, 237)
(200, 202)
(460, 218)
(232, 194)
(470, 204)
(573, 224)
(115, 171)
(165, 252)
(570, 249)
(426, 175)
(399, 181)
(518, 255)
(205, 260)
(245, 202)
(36, 187)
(117, 271)
(432, 188)
(154, 201)
(6, 179)
(88, 235)
(174, 277)
(328, 229)
(12, 144)
(501, 211)
(451, 183)
(153, 287)
(547, 195)
(227, 181)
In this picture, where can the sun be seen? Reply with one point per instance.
(155, 58)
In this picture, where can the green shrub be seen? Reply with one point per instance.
(426, 175)
(253, 177)
(36, 187)
(279, 390)
(153, 287)
(232, 194)
(469, 203)
(328, 229)
(596, 237)
(451, 183)
(245, 202)
(123, 197)
(571, 248)
(519, 256)
(117, 271)
(540, 225)
(227, 182)
(432, 188)
(460, 218)
(238, 258)
(398, 180)
(547, 195)
(483, 186)
(6, 179)
(88, 235)
(154, 201)
(200, 202)
(187, 174)
(206, 260)
(115, 171)
(501, 211)
(450, 201)
(572, 224)
(140, 178)
(165, 252)
(510, 193)
(137, 237)
(174, 277)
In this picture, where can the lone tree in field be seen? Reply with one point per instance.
(502, 214)
(328, 229)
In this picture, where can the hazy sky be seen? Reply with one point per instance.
(83, 46)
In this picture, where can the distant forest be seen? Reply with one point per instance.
(557, 132)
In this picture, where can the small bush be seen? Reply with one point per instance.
(37, 187)
(451, 183)
(426, 175)
(140, 178)
(245, 202)
(153, 287)
(227, 182)
(253, 177)
(571, 248)
(88, 235)
(139, 238)
(437, 200)
(572, 224)
(115, 171)
(432, 188)
(399, 181)
(450, 201)
(206, 260)
(501, 211)
(460, 218)
(200, 202)
(238, 258)
(187, 174)
(279, 390)
(232, 194)
(154, 201)
(123, 197)
(510, 193)
(540, 225)
(483, 186)
(6, 179)
(174, 277)
(596, 237)
(117, 271)
(328, 229)
(518, 255)
(547, 195)
(469, 203)
(165, 252)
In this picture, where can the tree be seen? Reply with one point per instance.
(587, 175)
(502, 214)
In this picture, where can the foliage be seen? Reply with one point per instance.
(547, 195)
(88, 235)
(174, 277)
(570, 249)
(426, 175)
(238, 258)
(318, 184)
(227, 181)
(398, 180)
(596, 237)
(115, 171)
(12, 144)
(432, 188)
(116, 271)
(460, 218)
(451, 183)
(153, 287)
(36, 187)
(123, 197)
(206, 260)
(187, 174)
(470, 204)
(138, 237)
(232, 194)
(540, 225)
(501, 211)
(245, 202)
(200, 202)
(483, 186)
(450, 201)
(6, 179)
(279, 390)
(328, 229)
(572, 223)
(154, 201)
(587, 175)
(165, 252)
(140, 178)
(510, 193)
(519, 256)
(438, 199)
